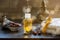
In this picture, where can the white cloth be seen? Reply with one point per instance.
(54, 26)
(6, 21)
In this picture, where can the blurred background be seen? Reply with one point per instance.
(13, 8)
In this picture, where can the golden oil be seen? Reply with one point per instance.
(46, 24)
(27, 24)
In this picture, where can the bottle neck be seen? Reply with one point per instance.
(27, 16)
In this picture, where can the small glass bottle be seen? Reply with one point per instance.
(27, 23)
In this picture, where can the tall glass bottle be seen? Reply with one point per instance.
(27, 21)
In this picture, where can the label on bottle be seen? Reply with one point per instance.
(27, 15)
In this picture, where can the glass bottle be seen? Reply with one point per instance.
(47, 24)
(27, 23)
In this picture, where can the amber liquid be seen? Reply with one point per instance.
(27, 25)
(46, 25)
